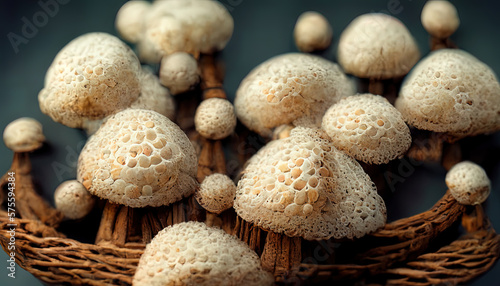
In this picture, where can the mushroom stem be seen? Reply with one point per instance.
(452, 154)
(376, 86)
(441, 43)
(211, 78)
(29, 204)
(425, 146)
(281, 255)
(106, 227)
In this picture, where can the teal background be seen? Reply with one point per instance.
(262, 29)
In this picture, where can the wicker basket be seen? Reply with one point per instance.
(409, 251)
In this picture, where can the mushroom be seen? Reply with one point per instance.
(23, 135)
(215, 119)
(368, 128)
(179, 72)
(312, 32)
(452, 92)
(192, 253)
(377, 47)
(73, 200)
(190, 26)
(138, 158)
(440, 19)
(94, 76)
(468, 183)
(216, 194)
(289, 87)
(129, 20)
(303, 187)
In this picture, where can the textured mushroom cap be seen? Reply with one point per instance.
(468, 183)
(138, 158)
(368, 128)
(377, 46)
(216, 193)
(130, 20)
(192, 26)
(451, 91)
(154, 96)
(23, 135)
(73, 200)
(303, 186)
(90, 78)
(215, 118)
(288, 87)
(179, 72)
(312, 32)
(440, 18)
(191, 253)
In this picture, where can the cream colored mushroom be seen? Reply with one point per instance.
(453, 92)
(468, 183)
(377, 46)
(73, 200)
(216, 193)
(179, 72)
(302, 186)
(138, 158)
(368, 128)
(130, 20)
(312, 32)
(440, 18)
(215, 118)
(23, 135)
(287, 88)
(192, 253)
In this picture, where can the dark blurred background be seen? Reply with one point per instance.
(262, 29)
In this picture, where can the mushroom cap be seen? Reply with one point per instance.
(368, 128)
(377, 46)
(192, 26)
(451, 91)
(73, 200)
(154, 96)
(215, 118)
(440, 18)
(191, 253)
(303, 186)
(130, 20)
(23, 135)
(90, 78)
(216, 193)
(287, 87)
(312, 32)
(138, 158)
(179, 72)
(468, 183)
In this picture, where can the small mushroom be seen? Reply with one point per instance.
(192, 253)
(289, 87)
(130, 20)
(215, 119)
(216, 194)
(312, 32)
(368, 128)
(468, 183)
(440, 19)
(138, 158)
(23, 135)
(179, 72)
(73, 200)
(377, 46)
(452, 92)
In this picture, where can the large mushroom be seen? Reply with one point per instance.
(192, 253)
(452, 93)
(289, 88)
(94, 76)
(303, 187)
(377, 46)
